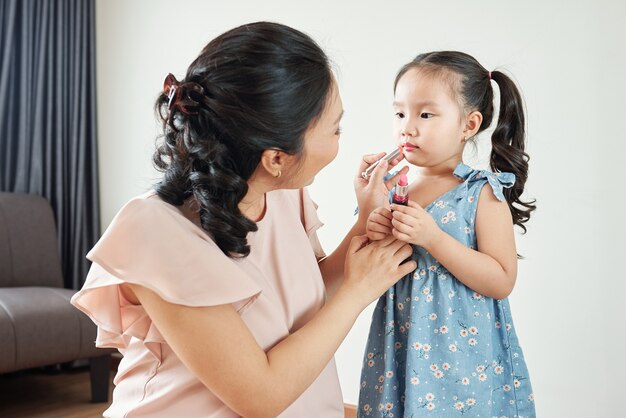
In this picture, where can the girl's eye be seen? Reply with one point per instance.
(399, 115)
(426, 115)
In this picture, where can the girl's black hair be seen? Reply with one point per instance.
(471, 84)
(256, 87)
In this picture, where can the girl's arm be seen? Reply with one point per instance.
(370, 195)
(490, 271)
(217, 346)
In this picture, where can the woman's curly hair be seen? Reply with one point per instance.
(253, 88)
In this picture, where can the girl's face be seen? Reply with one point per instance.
(321, 142)
(428, 121)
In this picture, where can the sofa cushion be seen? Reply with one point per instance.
(29, 254)
(39, 326)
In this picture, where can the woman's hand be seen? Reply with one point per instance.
(379, 224)
(373, 267)
(414, 225)
(373, 193)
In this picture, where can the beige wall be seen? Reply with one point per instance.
(569, 60)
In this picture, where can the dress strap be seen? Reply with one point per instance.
(497, 181)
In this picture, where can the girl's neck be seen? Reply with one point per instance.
(443, 170)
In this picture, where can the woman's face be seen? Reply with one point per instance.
(321, 142)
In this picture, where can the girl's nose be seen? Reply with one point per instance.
(409, 129)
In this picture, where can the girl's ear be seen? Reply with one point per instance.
(472, 124)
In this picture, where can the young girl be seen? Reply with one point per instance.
(442, 342)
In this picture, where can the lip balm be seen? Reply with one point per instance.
(388, 157)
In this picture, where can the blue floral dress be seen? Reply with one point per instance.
(437, 348)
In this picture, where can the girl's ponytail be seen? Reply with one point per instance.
(508, 144)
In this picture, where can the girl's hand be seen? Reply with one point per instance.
(379, 224)
(373, 267)
(414, 225)
(373, 193)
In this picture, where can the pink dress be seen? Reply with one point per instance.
(276, 289)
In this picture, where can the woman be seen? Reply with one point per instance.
(214, 286)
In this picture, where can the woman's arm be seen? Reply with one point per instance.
(490, 271)
(216, 345)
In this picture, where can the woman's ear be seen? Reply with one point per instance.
(472, 124)
(274, 162)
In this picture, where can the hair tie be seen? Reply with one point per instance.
(489, 75)
(170, 86)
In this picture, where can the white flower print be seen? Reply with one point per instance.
(426, 291)
(433, 367)
(432, 316)
(442, 276)
(517, 383)
(531, 397)
(508, 327)
(498, 369)
(371, 363)
(388, 406)
(463, 333)
(415, 381)
(445, 366)
(467, 230)
(389, 374)
(417, 346)
(470, 199)
(438, 374)
(482, 377)
(459, 406)
(430, 406)
(429, 396)
(506, 388)
(429, 298)
(473, 330)
(426, 347)
(440, 204)
(443, 329)
(445, 219)
(451, 295)
(452, 347)
(498, 325)
(432, 268)
(472, 341)
(381, 378)
(465, 381)
(480, 369)
(470, 401)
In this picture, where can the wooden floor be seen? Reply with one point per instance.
(67, 394)
(37, 394)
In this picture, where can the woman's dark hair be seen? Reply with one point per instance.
(253, 88)
(471, 86)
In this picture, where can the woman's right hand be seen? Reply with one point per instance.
(372, 267)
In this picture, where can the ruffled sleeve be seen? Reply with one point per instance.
(497, 181)
(311, 222)
(150, 243)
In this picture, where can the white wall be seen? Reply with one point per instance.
(569, 59)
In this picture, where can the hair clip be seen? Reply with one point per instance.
(169, 88)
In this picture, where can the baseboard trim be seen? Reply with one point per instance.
(349, 410)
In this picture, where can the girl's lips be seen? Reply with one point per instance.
(410, 147)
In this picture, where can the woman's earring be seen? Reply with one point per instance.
(280, 173)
